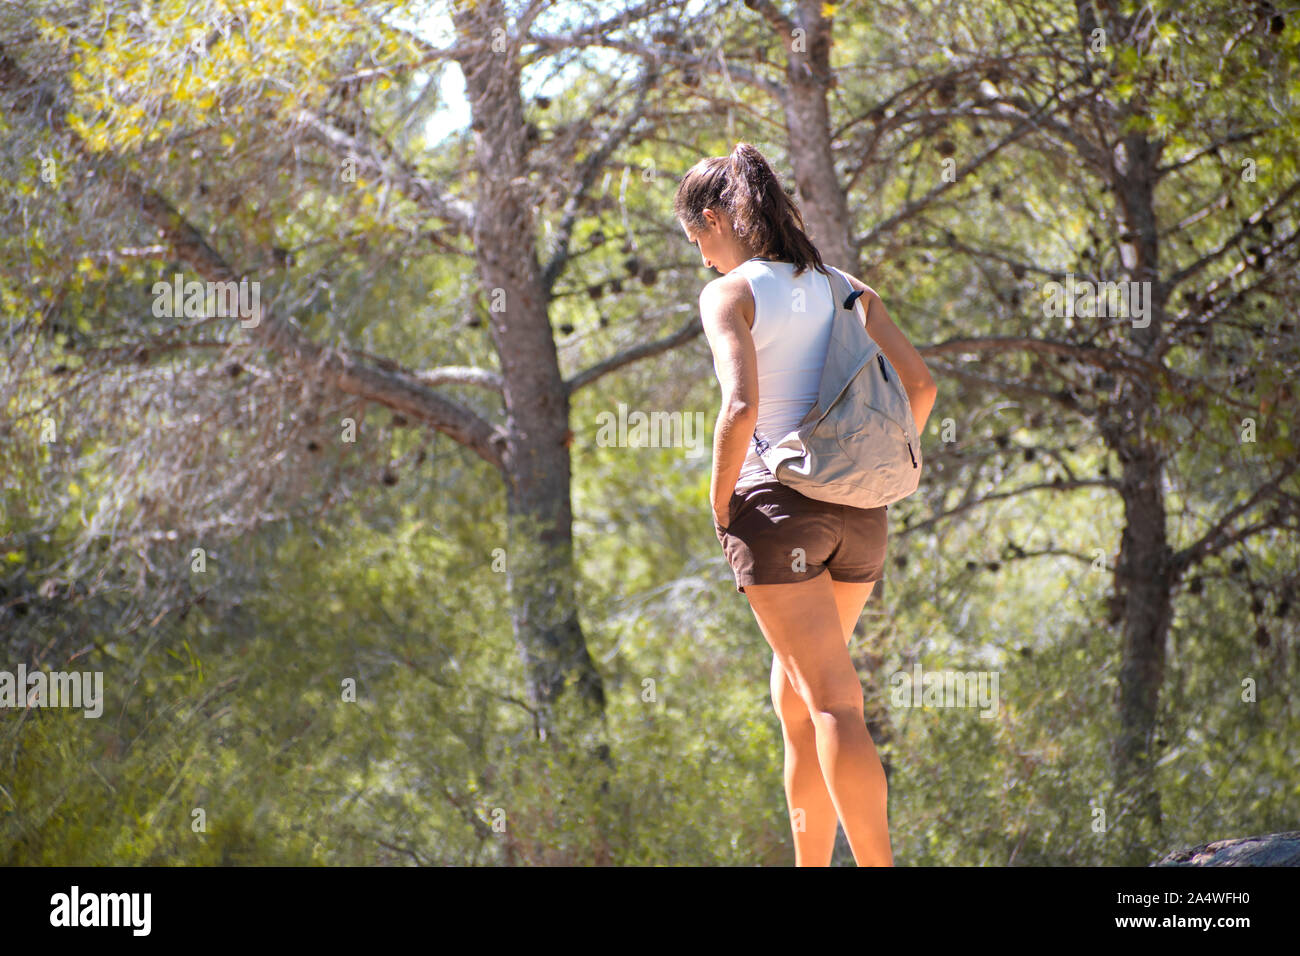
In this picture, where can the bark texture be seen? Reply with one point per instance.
(1144, 576)
(540, 563)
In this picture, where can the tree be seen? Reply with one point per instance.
(529, 448)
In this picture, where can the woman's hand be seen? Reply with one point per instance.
(722, 515)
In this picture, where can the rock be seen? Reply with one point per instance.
(1275, 849)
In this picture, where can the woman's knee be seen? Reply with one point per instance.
(836, 703)
(826, 690)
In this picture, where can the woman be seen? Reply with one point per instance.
(768, 321)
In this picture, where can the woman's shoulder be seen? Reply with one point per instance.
(729, 291)
(731, 285)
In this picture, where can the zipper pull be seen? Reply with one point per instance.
(881, 359)
(909, 451)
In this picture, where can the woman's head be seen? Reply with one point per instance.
(735, 207)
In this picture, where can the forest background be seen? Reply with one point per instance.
(366, 586)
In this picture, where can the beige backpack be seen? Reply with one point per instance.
(858, 445)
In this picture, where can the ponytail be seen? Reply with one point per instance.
(762, 214)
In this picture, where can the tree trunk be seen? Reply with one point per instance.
(1144, 580)
(540, 558)
(1145, 576)
(807, 120)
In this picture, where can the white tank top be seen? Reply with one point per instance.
(792, 328)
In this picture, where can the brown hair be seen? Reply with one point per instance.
(762, 214)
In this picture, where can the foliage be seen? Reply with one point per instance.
(376, 561)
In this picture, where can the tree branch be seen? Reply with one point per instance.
(425, 193)
(779, 22)
(1228, 244)
(911, 208)
(587, 172)
(662, 53)
(1084, 354)
(1193, 156)
(1001, 495)
(1065, 399)
(395, 389)
(687, 332)
(462, 375)
(957, 245)
(1218, 537)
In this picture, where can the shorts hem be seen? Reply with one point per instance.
(858, 578)
(747, 578)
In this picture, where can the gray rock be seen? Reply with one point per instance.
(1275, 849)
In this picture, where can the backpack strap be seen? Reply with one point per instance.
(843, 290)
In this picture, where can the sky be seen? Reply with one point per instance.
(453, 113)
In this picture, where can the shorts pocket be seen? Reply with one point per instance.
(734, 506)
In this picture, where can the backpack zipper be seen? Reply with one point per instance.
(883, 414)
(880, 357)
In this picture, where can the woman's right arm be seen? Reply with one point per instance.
(917, 381)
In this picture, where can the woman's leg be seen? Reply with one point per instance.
(813, 820)
(805, 626)
(812, 813)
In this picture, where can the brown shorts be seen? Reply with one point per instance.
(778, 536)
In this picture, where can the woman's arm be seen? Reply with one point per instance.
(912, 372)
(727, 312)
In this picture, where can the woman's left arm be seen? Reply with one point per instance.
(912, 371)
(726, 310)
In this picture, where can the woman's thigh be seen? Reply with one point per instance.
(802, 623)
(850, 599)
